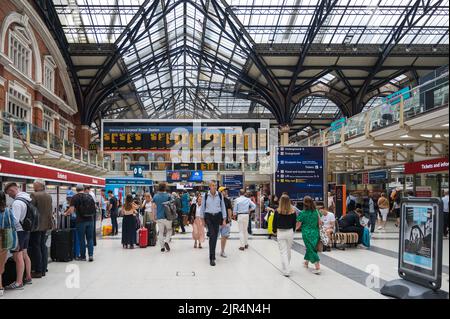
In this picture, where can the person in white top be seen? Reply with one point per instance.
(147, 206)
(445, 210)
(328, 222)
(331, 205)
(242, 207)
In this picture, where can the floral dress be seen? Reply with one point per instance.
(310, 233)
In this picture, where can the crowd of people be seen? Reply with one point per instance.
(210, 215)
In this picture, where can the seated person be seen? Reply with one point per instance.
(328, 221)
(351, 223)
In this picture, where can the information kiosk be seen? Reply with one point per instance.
(420, 251)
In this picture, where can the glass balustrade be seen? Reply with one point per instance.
(426, 97)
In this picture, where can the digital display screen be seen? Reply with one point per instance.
(300, 172)
(184, 176)
(141, 137)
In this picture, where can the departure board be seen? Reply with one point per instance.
(164, 137)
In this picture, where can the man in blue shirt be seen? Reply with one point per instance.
(214, 214)
(164, 225)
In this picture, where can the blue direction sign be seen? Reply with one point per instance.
(234, 183)
(301, 172)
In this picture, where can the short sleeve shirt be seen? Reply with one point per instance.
(159, 199)
(76, 202)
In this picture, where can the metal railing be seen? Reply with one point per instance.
(17, 133)
(421, 99)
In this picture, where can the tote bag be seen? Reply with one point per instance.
(8, 235)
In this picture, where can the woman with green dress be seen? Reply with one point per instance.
(309, 221)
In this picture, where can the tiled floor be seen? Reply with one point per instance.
(185, 272)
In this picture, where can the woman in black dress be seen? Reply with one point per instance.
(129, 222)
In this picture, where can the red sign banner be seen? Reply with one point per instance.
(365, 178)
(429, 166)
(34, 171)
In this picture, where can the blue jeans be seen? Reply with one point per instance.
(85, 232)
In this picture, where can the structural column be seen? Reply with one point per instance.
(284, 135)
(83, 136)
(38, 113)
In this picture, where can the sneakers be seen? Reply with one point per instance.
(91, 258)
(246, 246)
(27, 281)
(316, 271)
(223, 255)
(166, 245)
(212, 262)
(380, 227)
(241, 248)
(80, 258)
(14, 286)
(163, 250)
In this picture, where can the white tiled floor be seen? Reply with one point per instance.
(185, 273)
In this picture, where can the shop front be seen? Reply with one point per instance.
(430, 177)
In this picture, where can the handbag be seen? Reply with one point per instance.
(8, 236)
(319, 246)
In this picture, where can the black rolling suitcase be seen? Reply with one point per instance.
(10, 274)
(151, 227)
(61, 248)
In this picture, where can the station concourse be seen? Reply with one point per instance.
(307, 141)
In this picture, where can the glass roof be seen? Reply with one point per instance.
(350, 21)
(192, 57)
(316, 106)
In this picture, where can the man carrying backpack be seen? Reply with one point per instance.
(84, 205)
(20, 209)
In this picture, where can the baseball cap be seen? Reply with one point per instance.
(222, 188)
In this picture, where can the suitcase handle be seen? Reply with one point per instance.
(63, 222)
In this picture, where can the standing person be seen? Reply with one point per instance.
(113, 209)
(242, 207)
(370, 207)
(73, 225)
(38, 239)
(251, 212)
(383, 205)
(6, 222)
(129, 222)
(177, 200)
(20, 254)
(164, 225)
(103, 203)
(198, 228)
(214, 214)
(90, 192)
(225, 230)
(284, 223)
(445, 210)
(309, 221)
(147, 206)
(396, 199)
(185, 207)
(331, 204)
(85, 209)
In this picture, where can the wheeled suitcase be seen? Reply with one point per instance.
(61, 247)
(151, 227)
(9, 274)
(143, 237)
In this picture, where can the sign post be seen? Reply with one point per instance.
(420, 251)
(301, 172)
(340, 200)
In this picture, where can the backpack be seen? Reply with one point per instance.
(31, 221)
(170, 210)
(87, 206)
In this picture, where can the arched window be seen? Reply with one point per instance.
(19, 50)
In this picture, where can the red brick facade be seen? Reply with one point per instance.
(11, 77)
